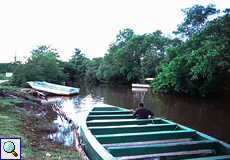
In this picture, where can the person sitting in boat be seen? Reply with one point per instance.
(142, 112)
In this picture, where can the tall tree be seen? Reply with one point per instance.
(77, 53)
(5, 67)
(201, 64)
(195, 19)
(125, 35)
(41, 66)
(75, 69)
(155, 49)
(92, 69)
(46, 50)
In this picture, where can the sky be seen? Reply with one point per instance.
(90, 25)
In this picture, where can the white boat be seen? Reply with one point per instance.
(3, 81)
(53, 88)
(139, 89)
(139, 85)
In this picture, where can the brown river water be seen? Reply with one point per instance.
(207, 115)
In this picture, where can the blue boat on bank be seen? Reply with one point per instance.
(53, 88)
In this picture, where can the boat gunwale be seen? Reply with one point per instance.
(96, 145)
(95, 149)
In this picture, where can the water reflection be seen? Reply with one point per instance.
(210, 116)
(75, 108)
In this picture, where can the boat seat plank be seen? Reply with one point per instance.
(214, 158)
(205, 151)
(147, 142)
(125, 122)
(132, 126)
(109, 112)
(108, 108)
(133, 129)
(122, 151)
(101, 117)
(143, 136)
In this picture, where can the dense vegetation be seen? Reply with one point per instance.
(195, 62)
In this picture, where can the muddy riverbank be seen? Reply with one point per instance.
(21, 116)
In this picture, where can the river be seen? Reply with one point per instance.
(207, 115)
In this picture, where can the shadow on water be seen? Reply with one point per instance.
(210, 116)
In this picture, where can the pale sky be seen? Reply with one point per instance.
(90, 25)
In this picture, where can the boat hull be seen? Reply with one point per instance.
(113, 133)
(140, 85)
(3, 81)
(53, 88)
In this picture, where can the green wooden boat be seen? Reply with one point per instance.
(112, 133)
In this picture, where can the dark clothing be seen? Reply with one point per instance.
(143, 113)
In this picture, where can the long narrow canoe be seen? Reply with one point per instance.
(111, 133)
(53, 88)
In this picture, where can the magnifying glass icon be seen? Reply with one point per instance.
(9, 147)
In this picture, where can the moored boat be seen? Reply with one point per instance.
(3, 81)
(111, 133)
(144, 85)
(140, 85)
(53, 88)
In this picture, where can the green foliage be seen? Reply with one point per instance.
(3, 77)
(201, 64)
(124, 36)
(92, 69)
(132, 57)
(103, 72)
(41, 66)
(46, 50)
(5, 67)
(75, 69)
(198, 63)
(195, 20)
(155, 52)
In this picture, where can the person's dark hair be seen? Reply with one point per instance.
(141, 104)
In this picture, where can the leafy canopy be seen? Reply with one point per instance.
(41, 66)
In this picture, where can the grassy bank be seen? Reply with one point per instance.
(19, 119)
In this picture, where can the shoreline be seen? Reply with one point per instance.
(21, 116)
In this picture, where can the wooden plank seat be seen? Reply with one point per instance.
(112, 108)
(109, 112)
(107, 117)
(145, 136)
(165, 149)
(226, 157)
(125, 122)
(133, 129)
(147, 142)
(204, 151)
